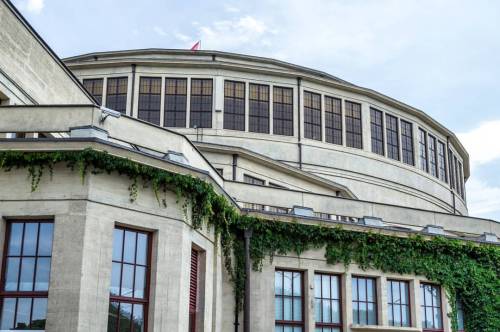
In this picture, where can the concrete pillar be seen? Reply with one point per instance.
(218, 117)
(365, 123)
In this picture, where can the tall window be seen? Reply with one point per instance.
(443, 176)
(312, 115)
(353, 129)
(327, 303)
(364, 301)
(116, 94)
(422, 148)
(94, 87)
(149, 99)
(457, 177)
(175, 102)
(407, 142)
(392, 133)
(201, 103)
(461, 179)
(282, 111)
(377, 131)
(288, 300)
(398, 295)
(234, 105)
(26, 275)
(253, 180)
(333, 120)
(433, 159)
(451, 168)
(193, 290)
(460, 316)
(129, 292)
(258, 115)
(430, 303)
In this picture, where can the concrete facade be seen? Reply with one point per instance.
(44, 108)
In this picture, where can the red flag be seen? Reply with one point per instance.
(196, 46)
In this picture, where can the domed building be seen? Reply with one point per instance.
(105, 234)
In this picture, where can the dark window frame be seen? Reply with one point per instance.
(408, 298)
(258, 109)
(443, 170)
(351, 123)
(461, 179)
(331, 299)
(193, 288)
(407, 148)
(253, 180)
(333, 120)
(423, 150)
(283, 125)
(292, 323)
(312, 116)
(91, 88)
(392, 137)
(433, 156)
(146, 104)
(133, 300)
(233, 118)
(375, 298)
(179, 103)
(377, 131)
(119, 97)
(19, 294)
(205, 99)
(424, 306)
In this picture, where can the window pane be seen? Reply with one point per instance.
(127, 280)
(125, 317)
(317, 285)
(30, 239)
(138, 319)
(115, 279)
(287, 308)
(113, 316)
(278, 282)
(336, 311)
(45, 241)
(355, 289)
(42, 274)
(362, 289)
(278, 307)
(405, 313)
(142, 248)
(16, 235)
(327, 311)
(23, 313)
(11, 274)
(27, 273)
(287, 283)
(8, 311)
(39, 314)
(370, 290)
(355, 312)
(129, 247)
(297, 289)
(140, 281)
(326, 286)
(397, 315)
(372, 314)
(363, 314)
(117, 244)
(317, 310)
(297, 309)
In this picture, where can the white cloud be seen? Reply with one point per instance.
(231, 9)
(182, 37)
(482, 199)
(159, 31)
(32, 6)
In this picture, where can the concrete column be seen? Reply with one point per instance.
(162, 102)
(323, 135)
(347, 296)
(218, 117)
(247, 105)
(416, 146)
(365, 123)
(309, 300)
(417, 315)
(188, 102)
(134, 112)
(271, 95)
(382, 301)
(104, 90)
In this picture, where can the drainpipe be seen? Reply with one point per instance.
(133, 89)
(235, 164)
(236, 322)
(246, 318)
(299, 96)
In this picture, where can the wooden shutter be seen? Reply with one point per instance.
(193, 290)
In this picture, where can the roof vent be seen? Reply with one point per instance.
(302, 211)
(489, 237)
(433, 229)
(177, 157)
(371, 221)
(88, 132)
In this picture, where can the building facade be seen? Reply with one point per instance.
(276, 140)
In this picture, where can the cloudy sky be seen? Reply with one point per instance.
(442, 56)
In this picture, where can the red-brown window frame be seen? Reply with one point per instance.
(292, 323)
(22, 294)
(339, 285)
(407, 296)
(132, 300)
(422, 305)
(375, 297)
(193, 288)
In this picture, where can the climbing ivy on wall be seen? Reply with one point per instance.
(467, 269)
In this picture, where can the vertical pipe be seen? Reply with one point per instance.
(449, 166)
(132, 93)
(246, 317)
(235, 164)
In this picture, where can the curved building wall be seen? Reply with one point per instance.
(368, 175)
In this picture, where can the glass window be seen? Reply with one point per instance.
(234, 105)
(129, 291)
(26, 275)
(398, 296)
(288, 300)
(201, 103)
(94, 87)
(364, 301)
(392, 133)
(282, 111)
(407, 142)
(253, 180)
(460, 316)
(258, 115)
(461, 179)
(430, 304)
(149, 99)
(457, 175)
(452, 169)
(443, 175)
(353, 128)
(116, 94)
(175, 102)
(377, 131)
(312, 115)
(193, 290)
(422, 148)
(333, 120)
(327, 303)
(433, 158)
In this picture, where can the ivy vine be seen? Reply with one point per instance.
(466, 269)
